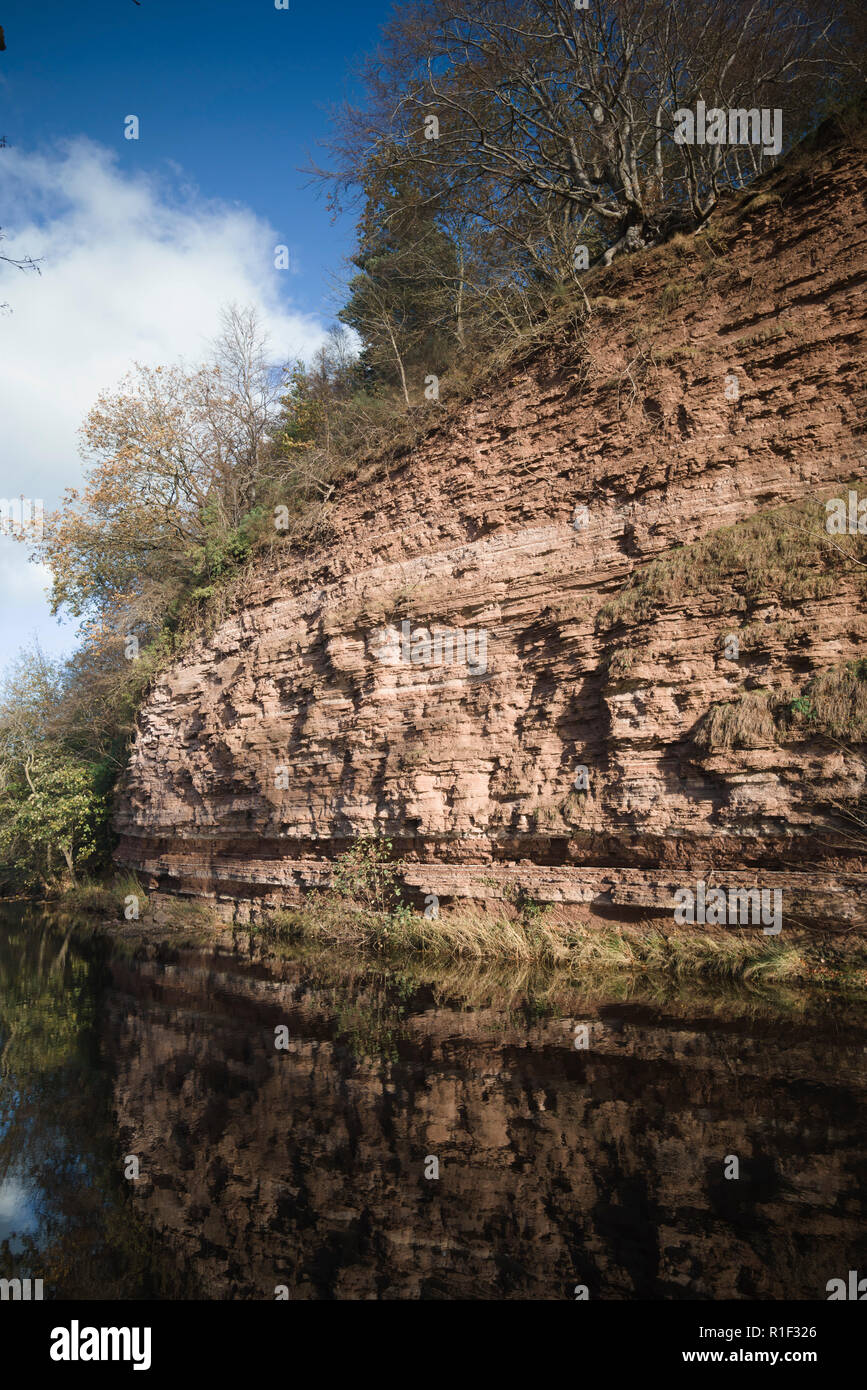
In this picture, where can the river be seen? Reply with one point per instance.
(202, 1122)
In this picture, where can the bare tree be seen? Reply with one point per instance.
(555, 124)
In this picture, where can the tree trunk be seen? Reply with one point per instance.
(67, 854)
(399, 360)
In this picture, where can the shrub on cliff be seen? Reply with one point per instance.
(366, 875)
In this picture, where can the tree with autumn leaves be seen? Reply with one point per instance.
(176, 458)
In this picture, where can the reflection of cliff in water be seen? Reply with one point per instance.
(557, 1167)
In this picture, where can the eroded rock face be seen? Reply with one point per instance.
(304, 721)
(604, 1166)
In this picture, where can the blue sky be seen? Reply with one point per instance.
(142, 241)
(235, 92)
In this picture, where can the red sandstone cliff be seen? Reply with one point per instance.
(635, 418)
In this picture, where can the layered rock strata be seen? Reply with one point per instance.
(457, 662)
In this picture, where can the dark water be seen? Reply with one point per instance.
(310, 1166)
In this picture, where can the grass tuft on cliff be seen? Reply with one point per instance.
(784, 552)
(833, 703)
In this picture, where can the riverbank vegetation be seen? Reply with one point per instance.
(588, 948)
(525, 933)
(366, 910)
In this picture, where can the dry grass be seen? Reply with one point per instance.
(471, 934)
(757, 202)
(836, 702)
(105, 898)
(622, 661)
(512, 993)
(725, 955)
(786, 552)
(571, 606)
(758, 636)
(747, 722)
(671, 296)
(833, 703)
(467, 934)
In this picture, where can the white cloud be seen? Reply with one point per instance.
(131, 271)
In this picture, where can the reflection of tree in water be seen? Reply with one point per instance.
(44, 1005)
(57, 1134)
